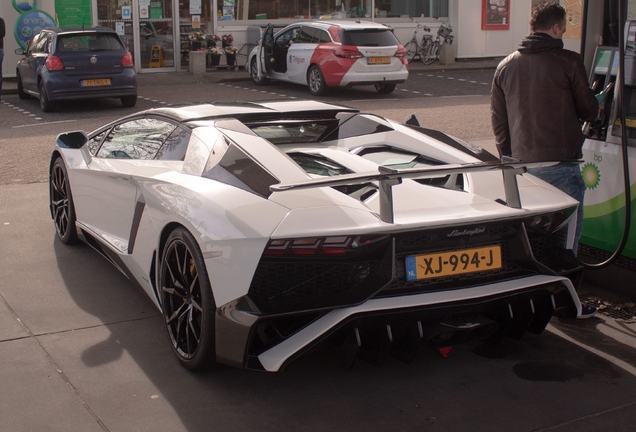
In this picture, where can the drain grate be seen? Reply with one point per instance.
(625, 312)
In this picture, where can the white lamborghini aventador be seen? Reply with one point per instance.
(260, 230)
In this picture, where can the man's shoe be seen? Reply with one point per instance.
(587, 311)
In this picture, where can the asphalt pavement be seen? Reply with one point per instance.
(81, 349)
(223, 74)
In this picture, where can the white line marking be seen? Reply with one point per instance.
(370, 100)
(416, 92)
(618, 362)
(450, 77)
(45, 123)
(461, 79)
(474, 82)
(405, 90)
(461, 96)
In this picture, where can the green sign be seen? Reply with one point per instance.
(71, 13)
(156, 9)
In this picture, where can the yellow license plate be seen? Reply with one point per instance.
(379, 60)
(96, 82)
(453, 263)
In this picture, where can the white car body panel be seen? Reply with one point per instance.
(126, 208)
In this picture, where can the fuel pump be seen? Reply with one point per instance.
(609, 154)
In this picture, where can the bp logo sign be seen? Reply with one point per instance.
(30, 21)
(591, 175)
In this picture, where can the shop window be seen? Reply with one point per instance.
(338, 9)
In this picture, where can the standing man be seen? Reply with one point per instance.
(540, 94)
(2, 32)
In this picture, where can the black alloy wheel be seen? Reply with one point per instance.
(62, 208)
(187, 301)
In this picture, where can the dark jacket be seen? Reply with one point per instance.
(2, 31)
(539, 95)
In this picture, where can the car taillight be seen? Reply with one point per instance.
(348, 52)
(127, 60)
(336, 245)
(54, 63)
(401, 51)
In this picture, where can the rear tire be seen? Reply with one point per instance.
(411, 51)
(384, 88)
(316, 81)
(62, 208)
(21, 93)
(45, 104)
(187, 301)
(129, 101)
(254, 73)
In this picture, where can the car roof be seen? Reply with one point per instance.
(78, 29)
(349, 25)
(249, 110)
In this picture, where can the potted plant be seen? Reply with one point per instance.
(196, 38)
(230, 55)
(212, 40)
(215, 56)
(227, 40)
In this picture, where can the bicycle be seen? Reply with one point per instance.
(432, 48)
(413, 47)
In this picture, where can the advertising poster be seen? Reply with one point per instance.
(195, 7)
(573, 19)
(495, 15)
(72, 13)
(156, 9)
(30, 21)
(144, 6)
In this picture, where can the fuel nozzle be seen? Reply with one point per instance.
(600, 97)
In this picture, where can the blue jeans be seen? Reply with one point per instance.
(567, 178)
(1, 58)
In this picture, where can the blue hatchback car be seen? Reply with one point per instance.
(75, 63)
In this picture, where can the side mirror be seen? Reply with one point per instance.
(20, 51)
(74, 140)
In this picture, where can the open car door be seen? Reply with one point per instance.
(266, 53)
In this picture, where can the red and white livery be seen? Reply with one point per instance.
(324, 54)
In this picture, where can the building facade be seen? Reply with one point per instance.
(482, 28)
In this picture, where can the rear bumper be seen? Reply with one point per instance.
(60, 87)
(509, 307)
(354, 79)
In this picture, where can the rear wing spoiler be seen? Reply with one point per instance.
(388, 177)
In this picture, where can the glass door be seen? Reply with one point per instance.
(118, 15)
(194, 19)
(156, 34)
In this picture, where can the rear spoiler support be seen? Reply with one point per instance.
(388, 178)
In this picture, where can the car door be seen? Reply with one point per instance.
(36, 55)
(299, 53)
(267, 49)
(107, 191)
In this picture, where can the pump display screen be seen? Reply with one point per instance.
(631, 37)
(614, 71)
(603, 59)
